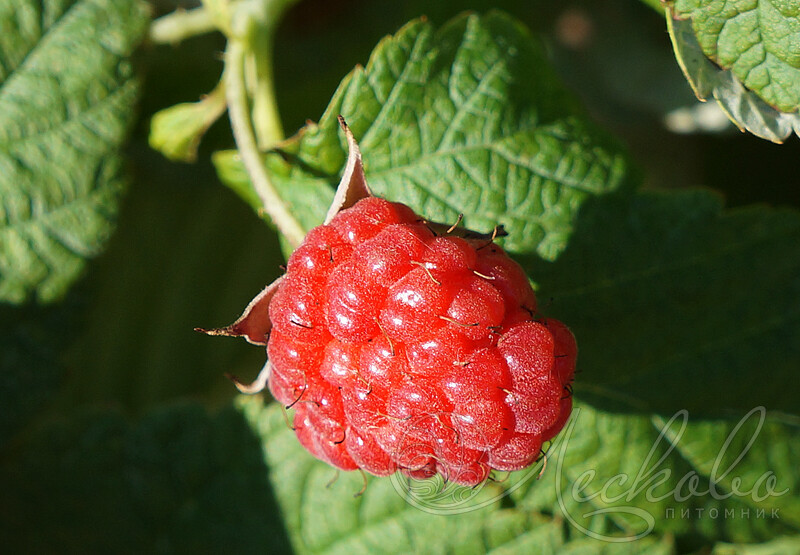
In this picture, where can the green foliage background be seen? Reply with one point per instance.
(118, 432)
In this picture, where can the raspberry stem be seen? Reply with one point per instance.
(238, 110)
(180, 25)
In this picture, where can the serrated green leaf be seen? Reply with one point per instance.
(467, 119)
(744, 107)
(323, 516)
(66, 95)
(678, 304)
(758, 40)
(178, 481)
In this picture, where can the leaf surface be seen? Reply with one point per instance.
(679, 304)
(753, 71)
(67, 90)
(395, 516)
(178, 480)
(466, 119)
(652, 475)
(779, 546)
(758, 40)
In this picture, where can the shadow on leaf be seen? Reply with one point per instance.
(179, 480)
(678, 304)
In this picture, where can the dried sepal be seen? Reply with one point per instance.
(254, 323)
(258, 385)
(353, 186)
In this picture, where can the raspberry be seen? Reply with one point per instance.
(406, 345)
(401, 348)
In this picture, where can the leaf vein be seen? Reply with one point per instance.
(43, 39)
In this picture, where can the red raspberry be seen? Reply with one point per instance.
(401, 348)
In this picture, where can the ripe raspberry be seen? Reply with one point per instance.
(405, 349)
(404, 345)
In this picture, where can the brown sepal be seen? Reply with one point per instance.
(353, 186)
(254, 323)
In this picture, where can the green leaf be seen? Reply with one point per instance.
(176, 131)
(306, 195)
(758, 40)
(742, 456)
(755, 73)
(323, 516)
(678, 304)
(66, 95)
(179, 480)
(467, 119)
(653, 475)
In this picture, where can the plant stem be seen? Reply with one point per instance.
(265, 16)
(239, 112)
(180, 25)
(266, 119)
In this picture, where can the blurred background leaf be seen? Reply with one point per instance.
(187, 254)
(66, 91)
(31, 369)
